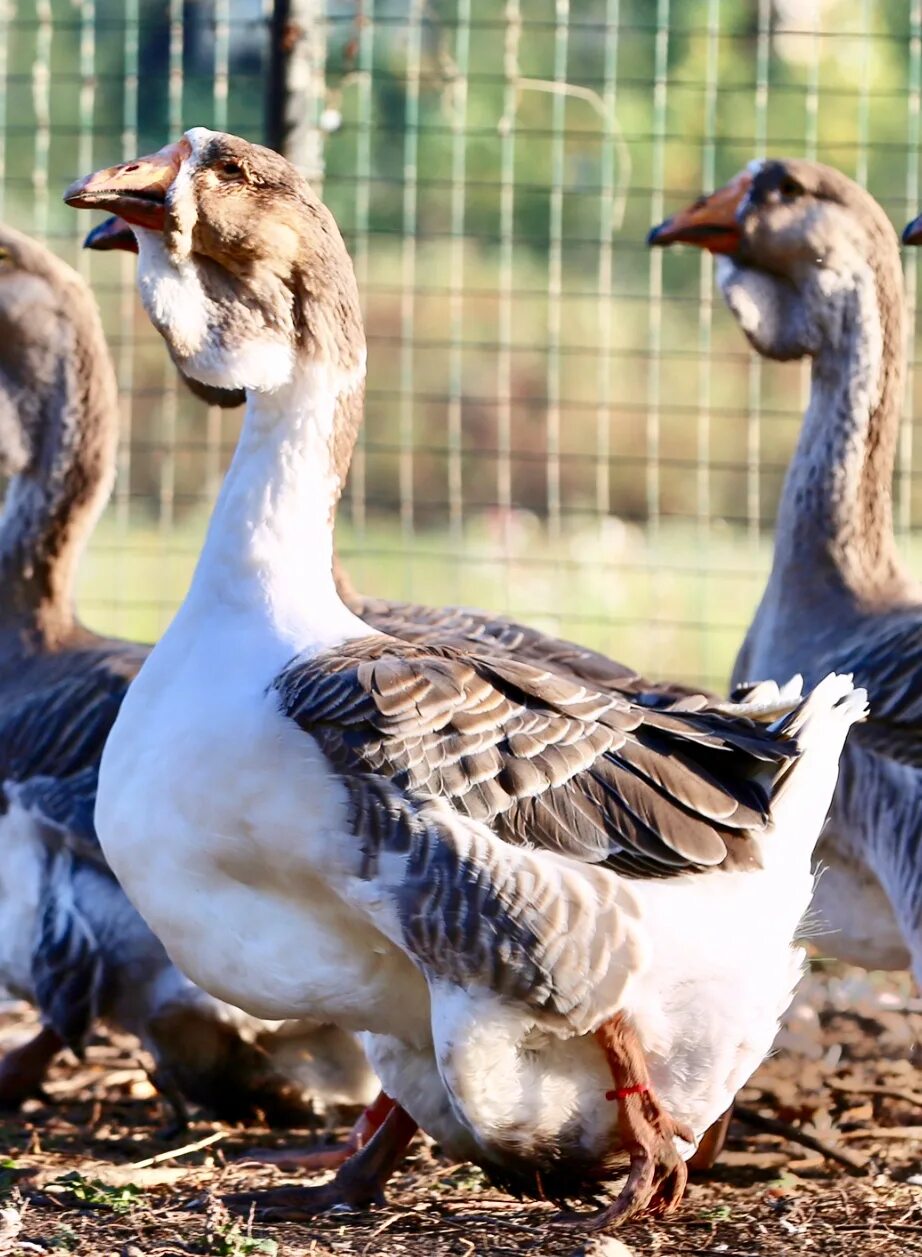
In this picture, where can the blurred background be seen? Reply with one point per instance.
(560, 423)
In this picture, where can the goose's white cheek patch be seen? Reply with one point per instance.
(210, 350)
(259, 366)
(172, 295)
(746, 311)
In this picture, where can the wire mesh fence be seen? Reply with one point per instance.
(560, 423)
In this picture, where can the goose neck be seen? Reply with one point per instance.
(269, 550)
(52, 507)
(836, 515)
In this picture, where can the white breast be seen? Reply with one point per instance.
(221, 819)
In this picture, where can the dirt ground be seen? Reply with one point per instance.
(89, 1173)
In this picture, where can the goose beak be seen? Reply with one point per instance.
(136, 190)
(112, 233)
(912, 232)
(711, 223)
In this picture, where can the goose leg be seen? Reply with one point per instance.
(657, 1176)
(174, 1106)
(316, 1159)
(711, 1145)
(22, 1070)
(359, 1182)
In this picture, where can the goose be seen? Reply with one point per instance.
(518, 886)
(809, 266)
(415, 622)
(70, 942)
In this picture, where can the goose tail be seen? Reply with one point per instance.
(818, 725)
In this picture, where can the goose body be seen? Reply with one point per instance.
(486, 864)
(811, 268)
(265, 843)
(70, 941)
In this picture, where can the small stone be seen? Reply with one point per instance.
(604, 1246)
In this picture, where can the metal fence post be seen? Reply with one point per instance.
(296, 83)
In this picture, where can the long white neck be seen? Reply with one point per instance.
(268, 554)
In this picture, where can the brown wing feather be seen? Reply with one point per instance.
(541, 757)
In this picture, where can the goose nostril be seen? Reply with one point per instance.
(127, 170)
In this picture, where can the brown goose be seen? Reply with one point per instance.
(70, 942)
(810, 267)
(488, 865)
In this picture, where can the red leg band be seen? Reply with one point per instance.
(621, 1092)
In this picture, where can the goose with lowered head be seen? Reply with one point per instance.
(809, 266)
(70, 941)
(487, 865)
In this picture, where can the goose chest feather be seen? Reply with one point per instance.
(487, 864)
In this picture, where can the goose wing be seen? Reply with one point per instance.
(543, 759)
(56, 712)
(886, 660)
(55, 716)
(464, 771)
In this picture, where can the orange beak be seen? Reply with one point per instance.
(135, 191)
(912, 232)
(710, 223)
(110, 234)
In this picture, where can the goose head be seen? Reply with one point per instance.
(213, 1063)
(241, 267)
(795, 240)
(38, 295)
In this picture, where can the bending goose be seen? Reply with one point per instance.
(810, 267)
(485, 864)
(70, 942)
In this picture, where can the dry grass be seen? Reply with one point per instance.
(847, 1070)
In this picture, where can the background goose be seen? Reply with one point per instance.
(69, 939)
(486, 864)
(812, 269)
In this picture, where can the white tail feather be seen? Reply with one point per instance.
(818, 725)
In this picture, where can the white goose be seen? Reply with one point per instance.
(521, 887)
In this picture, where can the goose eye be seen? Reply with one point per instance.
(790, 188)
(230, 169)
(4, 254)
